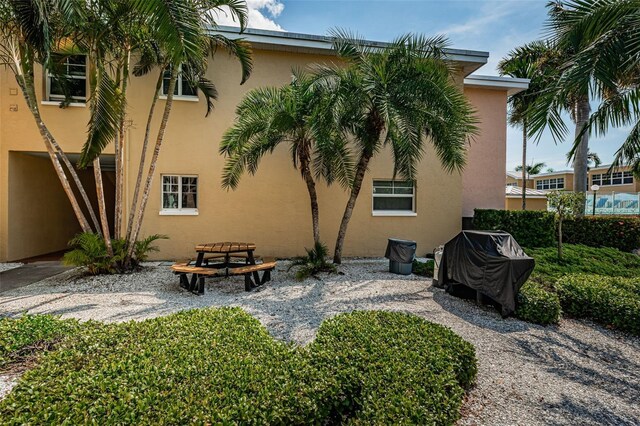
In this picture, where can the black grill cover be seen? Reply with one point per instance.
(402, 251)
(490, 262)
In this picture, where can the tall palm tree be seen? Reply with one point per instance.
(594, 158)
(531, 169)
(610, 60)
(396, 97)
(523, 62)
(269, 116)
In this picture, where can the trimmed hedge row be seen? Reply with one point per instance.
(537, 304)
(619, 232)
(28, 334)
(612, 301)
(530, 228)
(537, 228)
(220, 366)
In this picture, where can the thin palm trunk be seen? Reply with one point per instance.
(26, 83)
(97, 173)
(119, 154)
(361, 169)
(313, 195)
(143, 156)
(154, 160)
(524, 165)
(580, 161)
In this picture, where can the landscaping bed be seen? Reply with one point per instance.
(222, 366)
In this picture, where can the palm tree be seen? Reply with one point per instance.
(594, 158)
(397, 97)
(523, 62)
(531, 169)
(269, 116)
(610, 60)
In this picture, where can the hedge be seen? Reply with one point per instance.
(530, 228)
(394, 368)
(612, 301)
(220, 366)
(537, 304)
(619, 232)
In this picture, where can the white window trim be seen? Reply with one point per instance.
(393, 213)
(179, 96)
(58, 99)
(178, 211)
(58, 103)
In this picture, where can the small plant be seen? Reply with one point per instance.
(313, 263)
(424, 269)
(90, 251)
(566, 205)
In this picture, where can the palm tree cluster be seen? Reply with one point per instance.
(592, 54)
(336, 118)
(162, 35)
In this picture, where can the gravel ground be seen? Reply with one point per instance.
(7, 266)
(577, 373)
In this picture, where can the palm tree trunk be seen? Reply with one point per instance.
(361, 170)
(524, 166)
(580, 160)
(143, 155)
(26, 83)
(313, 195)
(97, 173)
(154, 160)
(119, 154)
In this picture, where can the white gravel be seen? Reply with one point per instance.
(7, 266)
(577, 373)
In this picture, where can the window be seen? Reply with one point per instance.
(616, 178)
(393, 197)
(512, 184)
(183, 87)
(179, 194)
(555, 183)
(70, 76)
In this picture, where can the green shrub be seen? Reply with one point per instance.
(394, 368)
(618, 232)
(27, 335)
(220, 366)
(537, 304)
(612, 301)
(313, 263)
(424, 269)
(530, 228)
(89, 251)
(583, 259)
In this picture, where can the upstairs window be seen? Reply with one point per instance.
(615, 178)
(393, 197)
(179, 194)
(183, 87)
(70, 75)
(554, 183)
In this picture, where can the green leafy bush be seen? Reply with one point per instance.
(27, 335)
(89, 251)
(537, 304)
(394, 368)
(612, 301)
(424, 269)
(220, 366)
(619, 232)
(530, 228)
(313, 263)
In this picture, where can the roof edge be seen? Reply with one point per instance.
(511, 84)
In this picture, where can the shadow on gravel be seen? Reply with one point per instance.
(579, 413)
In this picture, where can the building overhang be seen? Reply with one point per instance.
(468, 60)
(509, 84)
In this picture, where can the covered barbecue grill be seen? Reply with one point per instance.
(490, 262)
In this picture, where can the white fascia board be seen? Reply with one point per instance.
(510, 84)
(280, 40)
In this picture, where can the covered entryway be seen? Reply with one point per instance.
(41, 220)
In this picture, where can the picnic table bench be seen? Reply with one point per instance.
(225, 251)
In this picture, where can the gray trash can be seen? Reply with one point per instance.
(401, 254)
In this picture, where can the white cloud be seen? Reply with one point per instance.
(262, 14)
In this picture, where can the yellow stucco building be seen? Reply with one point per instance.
(271, 208)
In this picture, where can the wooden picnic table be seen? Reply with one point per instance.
(227, 248)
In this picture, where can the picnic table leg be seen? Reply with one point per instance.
(252, 261)
(200, 258)
(248, 284)
(227, 260)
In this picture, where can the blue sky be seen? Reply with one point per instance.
(488, 25)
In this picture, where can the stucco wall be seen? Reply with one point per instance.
(483, 179)
(511, 203)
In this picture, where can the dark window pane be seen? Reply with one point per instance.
(188, 89)
(189, 201)
(393, 203)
